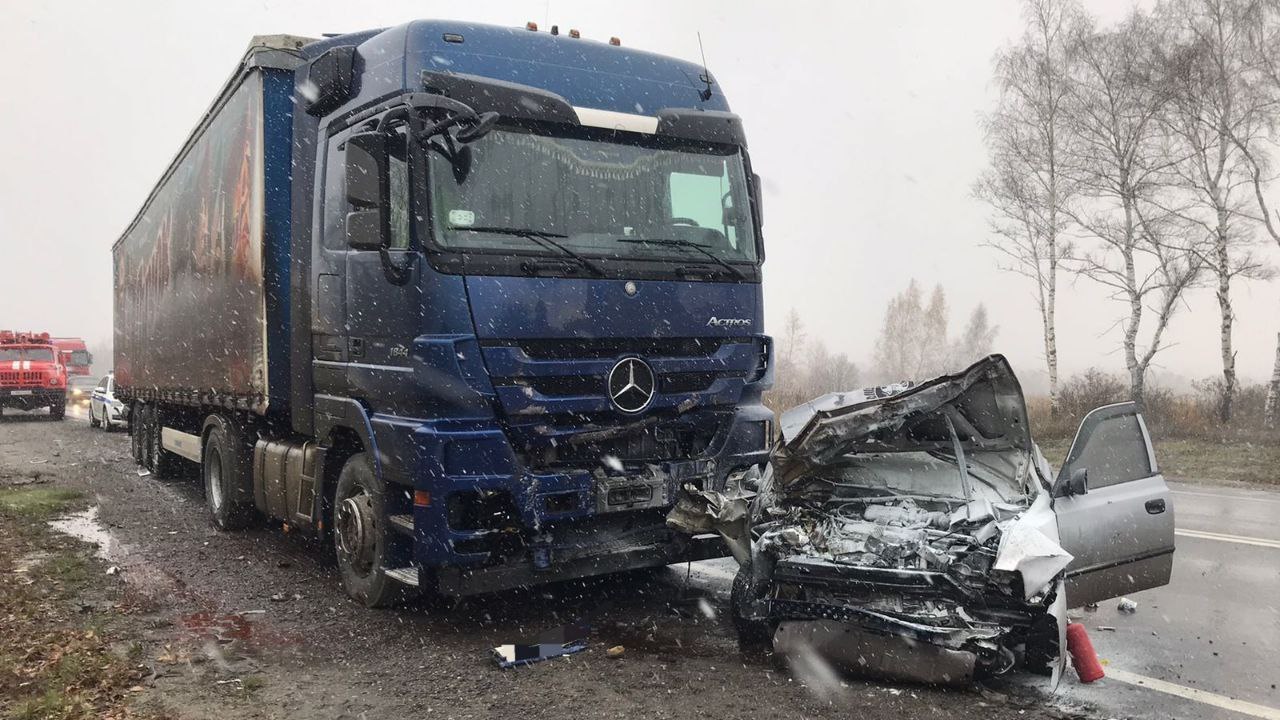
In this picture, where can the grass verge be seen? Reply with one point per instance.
(55, 660)
(1201, 460)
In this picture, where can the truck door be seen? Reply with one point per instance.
(383, 313)
(329, 263)
(1120, 530)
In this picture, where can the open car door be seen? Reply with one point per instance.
(1114, 512)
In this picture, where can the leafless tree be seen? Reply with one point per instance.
(1213, 106)
(828, 372)
(913, 342)
(1263, 39)
(978, 338)
(1026, 185)
(792, 342)
(1123, 166)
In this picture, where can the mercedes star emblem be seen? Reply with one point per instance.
(631, 385)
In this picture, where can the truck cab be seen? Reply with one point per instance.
(30, 374)
(535, 273)
(496, 296)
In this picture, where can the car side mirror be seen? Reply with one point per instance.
(368, 191)
(1077, 483)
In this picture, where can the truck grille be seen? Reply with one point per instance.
(21, 378)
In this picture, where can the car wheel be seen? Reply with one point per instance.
(225, 471)
(361, 536)
(107, 425)
(93, 420)
(755, 637)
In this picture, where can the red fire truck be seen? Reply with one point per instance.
(73, 355)
(31, 375)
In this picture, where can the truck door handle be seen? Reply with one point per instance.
(1155, 507)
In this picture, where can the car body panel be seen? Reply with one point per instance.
(1120, 531)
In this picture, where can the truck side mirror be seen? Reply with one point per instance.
(368, 191)
(1075, 484)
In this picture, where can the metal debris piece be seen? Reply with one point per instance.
(1127, 606)
(564, 640)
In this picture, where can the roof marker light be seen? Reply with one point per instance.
(452, 37)
(615, 41)
(531, 26)
(555, 29)
(574, 34)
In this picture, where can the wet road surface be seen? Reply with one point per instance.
(322, 656)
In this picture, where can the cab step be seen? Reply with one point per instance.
(402, 523)
(405, 575)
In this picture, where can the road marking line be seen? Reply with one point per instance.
(1247, 498)
(1200, 696)
(1202, 535)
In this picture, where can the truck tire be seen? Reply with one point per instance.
(226, 472)
(755, 637)
(144, 436)
(362, 536)
(135, 434)
(58, 410)
(164, 464)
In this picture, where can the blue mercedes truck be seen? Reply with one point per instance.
(476, 303)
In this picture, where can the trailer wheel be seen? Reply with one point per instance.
(225, 472)
(164, 464)
(361, 535)
(135, 433)
(144, 436)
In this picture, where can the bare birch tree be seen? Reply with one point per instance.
(1212, 106)
(1263, 37)
(1124, 164)
(1026, 185)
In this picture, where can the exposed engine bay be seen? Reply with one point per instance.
(917, 513)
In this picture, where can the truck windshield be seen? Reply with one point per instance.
(591, 194)
(38, 354)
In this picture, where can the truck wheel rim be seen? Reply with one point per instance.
(215, 480)
(355, 528)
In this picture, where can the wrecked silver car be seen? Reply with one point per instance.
(926, 514)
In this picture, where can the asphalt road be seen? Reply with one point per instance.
(1210, 640)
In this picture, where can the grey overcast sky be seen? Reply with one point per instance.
(862, 117)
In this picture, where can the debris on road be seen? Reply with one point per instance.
(615, 652)
(1083, 657)
(564, 640)
(1127, 606)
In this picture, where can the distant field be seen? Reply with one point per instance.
(1210, 461)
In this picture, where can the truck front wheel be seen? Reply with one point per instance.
(361, 535)
(223, 469)
(58, 410)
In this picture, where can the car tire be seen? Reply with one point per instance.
(107, 425)
(362, 539)
(226, 470)
(755, 637)
(93, 420)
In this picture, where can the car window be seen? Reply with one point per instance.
(102, 385)
(1114, 451)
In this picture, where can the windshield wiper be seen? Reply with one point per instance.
(671, 242)
(543, 238)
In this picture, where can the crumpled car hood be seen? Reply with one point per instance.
(984, 403)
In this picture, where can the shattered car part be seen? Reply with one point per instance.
(912, 512)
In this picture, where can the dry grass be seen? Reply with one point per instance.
(55, 660)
